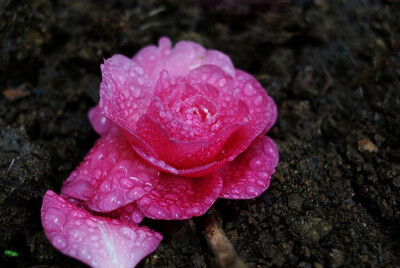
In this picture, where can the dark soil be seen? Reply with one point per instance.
(333, 68)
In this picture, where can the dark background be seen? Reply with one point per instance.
(333, 68)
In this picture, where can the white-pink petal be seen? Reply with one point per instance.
(99, 242)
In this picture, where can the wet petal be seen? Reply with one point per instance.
(181, 59)
(263, 114)
(111, 175)
(99, 122)
(178, 198)
(129, 213)
(250, 173)
(96, 241)
(125, 91)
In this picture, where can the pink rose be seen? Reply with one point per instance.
(179, 128)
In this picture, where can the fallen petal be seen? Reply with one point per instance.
(96, 241)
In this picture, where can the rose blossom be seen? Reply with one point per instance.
(179, 128)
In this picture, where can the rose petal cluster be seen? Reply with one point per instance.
(179, 127)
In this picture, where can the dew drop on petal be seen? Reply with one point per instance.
(249, 90)
(222, 82)
(258, 100)
(59, 242)
(256, 162)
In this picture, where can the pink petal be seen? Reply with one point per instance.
(176, 142)
(111, 175)
(263, 113)
(215, 57)
(125, 91)
(142, 149)
(180, 60)
(99, 122)
(262, 108)
(228, 102)
(96, 241)
(178, 198)
(249, 175)
(182, 155)
(149, 57)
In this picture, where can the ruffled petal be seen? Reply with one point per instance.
(111, 175)
(263, 113)
(182, 155)
(181, 59)
(181, 144)
(99, 122)
(250, 173)
(262, 108)
(149, 57)
(215, 57)
(125, 91)
(178, 198)
(96, 241)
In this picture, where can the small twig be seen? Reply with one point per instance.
(329, 80)
(222, 248)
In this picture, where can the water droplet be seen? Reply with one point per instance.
(222, 82)
(209, 201)
(262, 175)
(193, 211)
(261, 183)
(135, 193)
(139, 70)
(77, 235)
(249, 90)
(136, 93)
(256, 162)
(91, 223)
(126, 183)
(84, 253)
(268, 149)
(227, 69)
(59, 242)
(127, 232)
(121, 79)
(105, 187)
(258, 100)
(137, 217)
(76, 214)
(54, 219)
(251, 190)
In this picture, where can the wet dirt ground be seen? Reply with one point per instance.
(333, 68)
